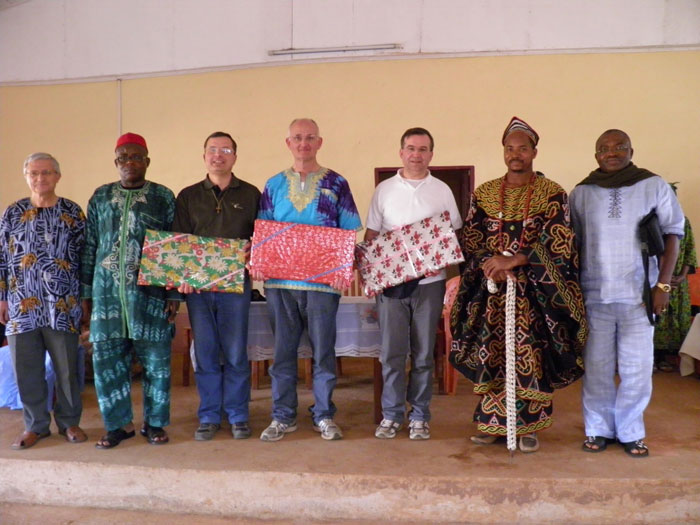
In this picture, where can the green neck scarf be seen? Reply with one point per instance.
(627, 176)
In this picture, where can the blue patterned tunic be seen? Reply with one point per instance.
(39, 265)
(325, 200)
(116, 224)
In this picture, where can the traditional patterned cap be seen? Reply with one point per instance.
(131, 138)
(517, 124)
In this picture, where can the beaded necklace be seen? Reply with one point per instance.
(526, 215)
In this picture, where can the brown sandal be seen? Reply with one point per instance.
(484, 439)
(74, 434)
(28, 439)
(529, 443)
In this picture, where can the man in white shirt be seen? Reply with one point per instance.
(408, 313)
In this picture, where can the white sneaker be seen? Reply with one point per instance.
(277, 430)
(387, 429)
(329, 429)
(418, 430)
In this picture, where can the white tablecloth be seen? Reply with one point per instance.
(357, 327)
(357, 331)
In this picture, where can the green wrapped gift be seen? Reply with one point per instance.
(211, 264)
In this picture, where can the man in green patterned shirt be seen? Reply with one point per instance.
(124, 317)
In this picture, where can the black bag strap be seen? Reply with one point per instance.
(646, 292)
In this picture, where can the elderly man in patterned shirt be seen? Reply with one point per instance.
(41, 238)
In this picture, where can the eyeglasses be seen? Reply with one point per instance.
(615, 149)
(42, 173)
(136, 157)
(224, 151)
(301, 138)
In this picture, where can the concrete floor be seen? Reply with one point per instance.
(446, 479)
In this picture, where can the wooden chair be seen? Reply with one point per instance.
(355, 289)
(694, 290)
(446, 373)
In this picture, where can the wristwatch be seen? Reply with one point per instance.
(664, 287)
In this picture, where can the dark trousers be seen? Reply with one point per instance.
(28, 357)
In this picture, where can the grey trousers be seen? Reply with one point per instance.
(408, 329)
(28, 352)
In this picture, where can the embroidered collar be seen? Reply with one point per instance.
(301, 198)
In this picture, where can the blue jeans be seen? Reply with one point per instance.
(290, 311)
(220, 327)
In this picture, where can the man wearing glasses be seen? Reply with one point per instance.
(606, 208)
(40, 242)
(221, 205)
(306, 193)
(124, 317)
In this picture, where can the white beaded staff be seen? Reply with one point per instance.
(511, 439)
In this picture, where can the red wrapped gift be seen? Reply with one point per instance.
(412, 251)
(300, 252)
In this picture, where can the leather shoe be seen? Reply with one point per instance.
(28, 439)
(74, 434)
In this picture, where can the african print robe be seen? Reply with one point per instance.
(39, 265)
(551, 326)
(672, 327)
(117, 223)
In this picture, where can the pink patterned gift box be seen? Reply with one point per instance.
(301, 252)
(412, 251)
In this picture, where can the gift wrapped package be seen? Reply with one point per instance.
(301, 252)
(412, 251)
(210, 264)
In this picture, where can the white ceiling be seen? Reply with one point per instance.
(4, 4)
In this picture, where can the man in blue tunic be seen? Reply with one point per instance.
(306, 193)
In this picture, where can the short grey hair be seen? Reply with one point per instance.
(41, 156)
(303, 119)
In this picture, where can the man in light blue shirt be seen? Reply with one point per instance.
(606, 209)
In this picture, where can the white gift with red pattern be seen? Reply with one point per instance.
(415, 250)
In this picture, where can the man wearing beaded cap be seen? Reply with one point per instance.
(518, 229)
(306, 193)
(607, 207)
(124, 317)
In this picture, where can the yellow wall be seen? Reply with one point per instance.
(362, 109)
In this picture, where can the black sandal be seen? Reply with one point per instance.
(597, 441)
(156, 435)
(113, 438)
(636, 449)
